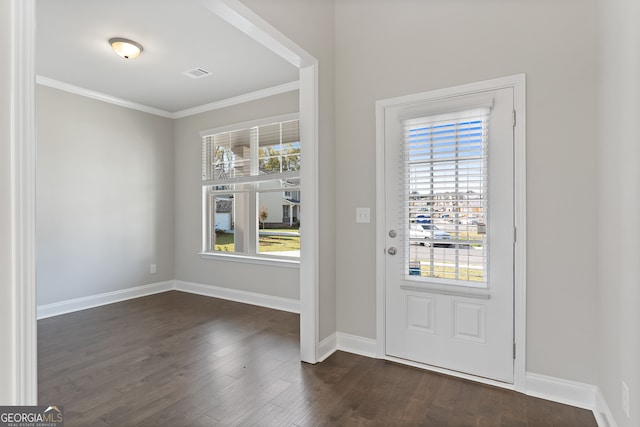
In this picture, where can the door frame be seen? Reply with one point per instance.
(518, 83)
(254, 26)
(23, 339)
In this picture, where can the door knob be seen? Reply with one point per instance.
(391, 251)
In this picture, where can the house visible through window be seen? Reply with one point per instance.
(251, 191)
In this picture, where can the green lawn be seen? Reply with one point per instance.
(280, 243)
(463, 236)
(224, 241)
(442, 272)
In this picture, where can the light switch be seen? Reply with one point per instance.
(363, 215)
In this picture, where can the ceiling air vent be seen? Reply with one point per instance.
(197, 73)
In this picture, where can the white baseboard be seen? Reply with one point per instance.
(83, 303)
(580, 395)
(277, 303)
(327, 347)
(603, 414)
(348, 343)
(357, 345)
(559, 390)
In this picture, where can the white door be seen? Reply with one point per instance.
(449, 212)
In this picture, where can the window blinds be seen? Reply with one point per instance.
(445, 185)
(255, 154)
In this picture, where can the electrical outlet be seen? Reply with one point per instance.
(153, 269)
(625, 399)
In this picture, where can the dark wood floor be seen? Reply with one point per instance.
(176, 359)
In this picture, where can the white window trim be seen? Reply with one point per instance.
(250, 259)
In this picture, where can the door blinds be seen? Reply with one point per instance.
(445, 186)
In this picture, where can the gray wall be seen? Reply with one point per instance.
(104, 202)
(7, 366)
(271, 280)
(619, 205)
(388, 48)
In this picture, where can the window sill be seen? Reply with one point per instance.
(248, 259)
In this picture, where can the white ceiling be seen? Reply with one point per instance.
(177, 35)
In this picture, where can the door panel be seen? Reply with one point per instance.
(449, 268)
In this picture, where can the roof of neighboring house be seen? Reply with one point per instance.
(224, 205)
(292, 201)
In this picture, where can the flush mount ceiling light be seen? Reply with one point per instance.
(128, 49)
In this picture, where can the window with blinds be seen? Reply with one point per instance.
(445, 191)
(248, 177)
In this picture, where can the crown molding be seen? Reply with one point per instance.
(66, 87)
(240, 99)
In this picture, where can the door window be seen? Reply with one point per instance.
(445, 187)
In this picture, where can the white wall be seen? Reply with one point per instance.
(619, 205)
(6, 266)
(388, 48)
(189, 266)
(104, 202)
